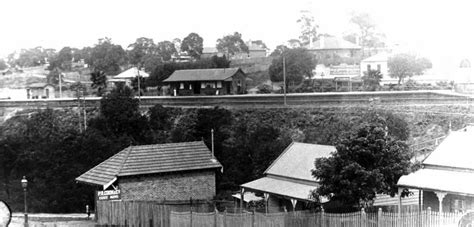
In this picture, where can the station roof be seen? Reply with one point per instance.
(202, 75)
(151, 159)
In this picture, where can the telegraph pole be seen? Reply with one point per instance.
(284, 81)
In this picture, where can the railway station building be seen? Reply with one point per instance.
(172, 172)
(287, 184)
(227, 81)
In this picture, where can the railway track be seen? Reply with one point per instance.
(267, 100)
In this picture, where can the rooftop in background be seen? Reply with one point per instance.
(297, 160)
(332, 43)
(202, 74)
(131, 73)
(151, 159)
(380, 57)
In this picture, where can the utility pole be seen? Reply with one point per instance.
(212, 141)
(138, 75)
(60, 86)
(284, 81)
(84, 109)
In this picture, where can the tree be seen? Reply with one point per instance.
(32, 57)
(62, 60)
(308, 28)
(367, 162)
(368, 35)
(166, 50)
(107, 57)
(279, 50)
(142, 49)
(192, 45)
(99, 81)
(371, 80)
(232, 44)
(402, 66)
(299, 64)
(54, 75)
(294, 43)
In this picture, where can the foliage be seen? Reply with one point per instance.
(294, 43)
(367, 34)
(232, 44)
(32, 57)
(166, 50)
(79, 89)
(299, 63)
(99, 81)
(62, 60)
(279, 50)
(308, 28)
(367, 162)
(192, 45)
(107, 57)
(140, 51)
(402, 66)
(264, 89)
(53, 76)
(371, 80)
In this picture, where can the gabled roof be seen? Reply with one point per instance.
(202, 74)
(297, 160)
(151, 159)
(131, 73)
(380, 57)
(38, 85)
(456, 150)
(332, 43)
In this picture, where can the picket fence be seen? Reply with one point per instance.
(305, 219)
(152, 214)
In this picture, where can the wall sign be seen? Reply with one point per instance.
(108, 195)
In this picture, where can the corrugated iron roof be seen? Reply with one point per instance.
(458, 182)
(332, 43)
(131, 73)
(202, 74)
(149, 159)
(456, 150)
(282, 187)
(387, 200)
(297, 160)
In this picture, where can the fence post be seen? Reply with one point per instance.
(215, 216)
(191, 212)
(225, 217)
(253, 217)
(363, 217)
(429, 216)
(322, 217)
(379, 218)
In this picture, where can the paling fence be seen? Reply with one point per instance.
(144, 214)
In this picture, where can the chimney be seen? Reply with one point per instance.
(212, 141)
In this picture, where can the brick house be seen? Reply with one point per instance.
(207, 82)
(446, 179)
(173, 171)
(288, 183)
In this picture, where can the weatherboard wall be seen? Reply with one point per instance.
(198, 185)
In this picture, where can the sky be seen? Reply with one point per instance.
(438, 29)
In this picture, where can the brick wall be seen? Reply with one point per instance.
(199, 185)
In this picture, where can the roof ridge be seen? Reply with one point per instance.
(279, 156)
(125, 159)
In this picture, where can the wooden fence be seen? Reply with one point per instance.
(322, 219)
(199, 213)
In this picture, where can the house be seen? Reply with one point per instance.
(173, 171)
(207, 82)
(333, 50)
(446, 179)
(377, 62)
(208, 52)
(288, 183)
(40, 91)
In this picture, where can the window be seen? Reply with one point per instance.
(379, 67)
(219, 84)
(190, 87)
(181, 85)
(368, 68)
(203, 85)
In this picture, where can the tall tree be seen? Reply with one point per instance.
(279, 50)
(367, 162)
(402, 66)
(192, 45)
(62, 60)
(99, 81)
(299, 63)
(369, 38)
(232, 44)
(140, 50)
(308, 28)
(107, 57)
(166, 50)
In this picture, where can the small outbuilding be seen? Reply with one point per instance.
(288, 183)
(207, 82)
(172, 171)
(40, 91)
